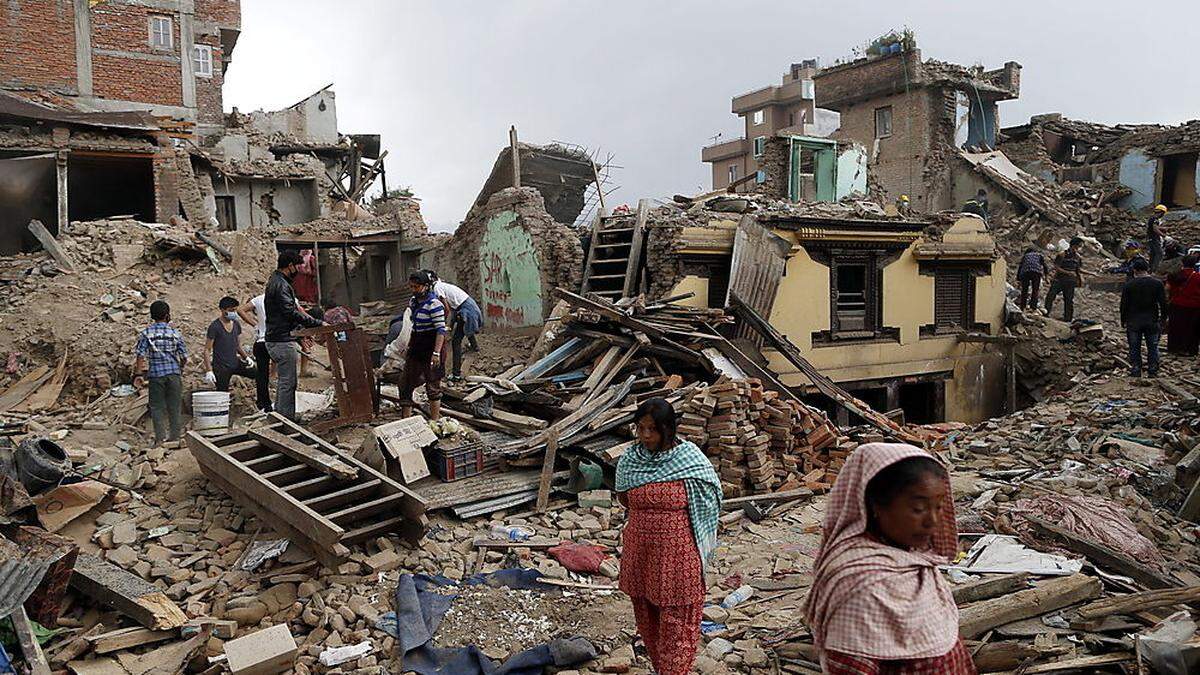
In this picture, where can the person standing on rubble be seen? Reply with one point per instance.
(305, 281)
(674, 497)
(1143, 311)
(878, 602)
(1183, 320)
(1068, 275)
(1155, 233)
(161, 357)
(254, 313)
(223, 344)
(465, 319)
(423, 361)
(282, 317)
(1029, 275)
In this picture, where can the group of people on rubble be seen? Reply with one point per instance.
(1152, 298)
(289, 302)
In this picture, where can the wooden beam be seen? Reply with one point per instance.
(30, 649)
(304, 454)
(126, 593)
(1049, 596)
(543, 496)
(1104, 556)
(128, 638)
(1138, 602)
(515, 150)
(985, 589)
(1082, 663)
(768, 498)
(635, 250)
(49, 243)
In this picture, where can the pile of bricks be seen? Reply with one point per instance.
(759, 442)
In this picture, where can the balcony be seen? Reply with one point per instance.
(722, 151)
(792, 92)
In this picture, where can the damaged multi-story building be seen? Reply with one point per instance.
(130, 122)
(914, 115)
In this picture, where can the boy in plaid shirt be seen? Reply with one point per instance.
(161, 356)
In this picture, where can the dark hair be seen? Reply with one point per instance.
(160, 310)
(663, 416)
(420, 277)
(432, 274)
(883, 489)
(228, 302)
(1140, 264)
(981, 192)
(1190, 260)
(287, 258)
(1075, 241)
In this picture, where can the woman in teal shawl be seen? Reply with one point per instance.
(674, 497)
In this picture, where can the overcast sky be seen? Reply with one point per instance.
(651, 81)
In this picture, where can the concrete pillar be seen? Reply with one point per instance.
(187, 39)
(61, 171)
(83, 47)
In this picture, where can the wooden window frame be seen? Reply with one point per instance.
(875, 259)
(971, 271)
(890, 121)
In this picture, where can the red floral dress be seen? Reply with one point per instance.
(661, 573)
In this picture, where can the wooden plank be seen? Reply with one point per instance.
(303, 453)
(610, 312)
(357, 512)
(264, 493)
(126, 593)
(439, 495)
(1191, 506)
(1104, 556)
(1140, 602)
(30, 649)
(25, 386)
(977, 619)
(614, 371)
(127, 638)
(340, 497)
(633, 268)
(599, 369)
(1082, 663)
(767, 498)
(49, 243)
(985, 589)
(543, 496)
(590, 254)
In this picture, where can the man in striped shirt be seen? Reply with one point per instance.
(161, 356)
(423, 364)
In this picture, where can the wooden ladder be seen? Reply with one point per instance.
(614, 256)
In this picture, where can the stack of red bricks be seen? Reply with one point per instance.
(759, 442)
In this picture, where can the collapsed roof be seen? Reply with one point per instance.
(562, 174)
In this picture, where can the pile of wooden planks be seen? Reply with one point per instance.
(759, 441)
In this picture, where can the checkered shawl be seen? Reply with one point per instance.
(638, 467)
(871, 599)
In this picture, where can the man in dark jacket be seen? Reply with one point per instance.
(1143, 311)
(283, 316)
(1068, 268)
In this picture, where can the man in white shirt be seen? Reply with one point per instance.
(465, 319)
(254, 313)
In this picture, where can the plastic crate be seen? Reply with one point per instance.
(455, 463)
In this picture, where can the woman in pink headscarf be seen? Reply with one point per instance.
(878, 603)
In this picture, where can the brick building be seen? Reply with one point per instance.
(786, 108)
(167, 57)
(912, 115)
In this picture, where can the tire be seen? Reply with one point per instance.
(41, 464)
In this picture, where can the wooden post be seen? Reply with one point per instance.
(599, 188)
(317, 268)
(543, 495)
(346, 277)
(64, 213)
(49, 243)
(516, 156)
(30, 649)
(1011, 376)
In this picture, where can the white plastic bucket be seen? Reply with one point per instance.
(210, 412)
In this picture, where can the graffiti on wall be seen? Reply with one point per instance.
(511, 286)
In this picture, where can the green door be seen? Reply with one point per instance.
(826, 174)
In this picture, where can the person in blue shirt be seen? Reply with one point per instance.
(423, 362)
(161, 357)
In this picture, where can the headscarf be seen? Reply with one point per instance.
(638, 467)
(868, 598)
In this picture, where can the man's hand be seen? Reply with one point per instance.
(436, 359)
(139, 382)
(210, 378)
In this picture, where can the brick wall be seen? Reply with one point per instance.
(37, 44)
(225, 13)
(899, 166)
(153, 78)
(208, 89)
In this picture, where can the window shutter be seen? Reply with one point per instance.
(950, 298)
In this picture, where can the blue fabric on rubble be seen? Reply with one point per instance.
(419, 612)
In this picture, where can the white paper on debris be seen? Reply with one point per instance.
(1003, 554)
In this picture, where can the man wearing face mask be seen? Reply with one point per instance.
(283, 316)
(223, 344)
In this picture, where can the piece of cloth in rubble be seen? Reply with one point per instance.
(872, 599)
(1095, 518)
(584, 558)
(685, 462)
(419, 612)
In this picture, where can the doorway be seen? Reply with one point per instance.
(1179, 180)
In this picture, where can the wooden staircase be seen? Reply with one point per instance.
(614, 256)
